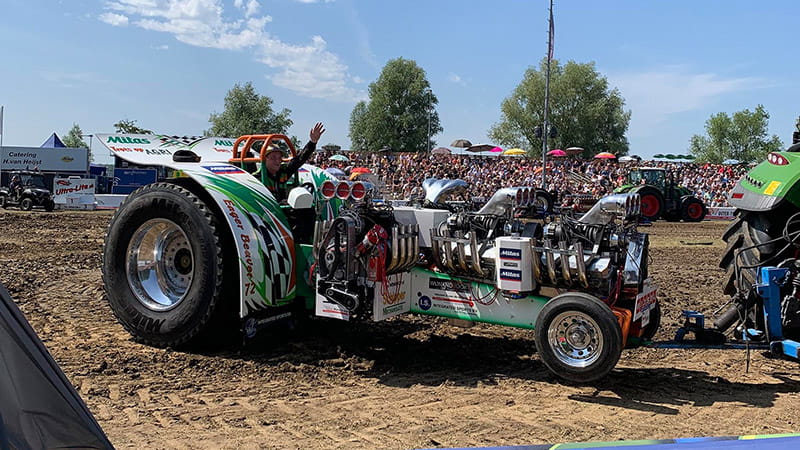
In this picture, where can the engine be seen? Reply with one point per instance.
(600, 253)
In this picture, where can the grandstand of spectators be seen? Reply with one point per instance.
(403, 173)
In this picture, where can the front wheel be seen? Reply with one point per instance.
(49, 205)
(693, 210)
(163, 265)
(26, 204)
(578, 337)
(652, 202)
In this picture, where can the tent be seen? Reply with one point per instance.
(39, 406)
(53, 142)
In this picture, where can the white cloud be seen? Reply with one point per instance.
(117, 20)
(455, 78)
(309, 70)
(654, 96)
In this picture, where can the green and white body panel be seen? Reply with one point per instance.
(423, 291)
(265, 247)
(767, 185)
(438, 294)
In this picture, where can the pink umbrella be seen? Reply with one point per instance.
(496, 150)
(605, 155)
(557, 153)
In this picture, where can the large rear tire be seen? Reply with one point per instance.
(652, 202)
(163, 265)
(578, 337)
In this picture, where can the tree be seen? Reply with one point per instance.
(247, 112)
(129, 127)
(397, 115)
(742, 136)
(358, 125)
(582, 108)
(74, 139)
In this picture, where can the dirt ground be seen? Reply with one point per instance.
(414, 382)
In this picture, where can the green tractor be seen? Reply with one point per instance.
(661, 197)
(765, 232)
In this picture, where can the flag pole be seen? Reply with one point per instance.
(1, 126)
(545, 130)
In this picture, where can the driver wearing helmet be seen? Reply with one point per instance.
(279, 172)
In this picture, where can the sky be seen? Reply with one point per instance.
(167, 64)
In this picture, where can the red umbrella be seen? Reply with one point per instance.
(557, 153)
(496, 150)
(360, 170)
(605, 155)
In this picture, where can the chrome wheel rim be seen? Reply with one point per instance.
(159, 264)
(575, 338)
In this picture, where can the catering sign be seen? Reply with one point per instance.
(44, 159)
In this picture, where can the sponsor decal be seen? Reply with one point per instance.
(510, 275)
(223, 142)
(510, 253)
(425, 303)
(126, 140)
(67, 158)
(63, 182)
(644, 302)
(510, 264)
(223, 169)
(448, 285)
(252, 325)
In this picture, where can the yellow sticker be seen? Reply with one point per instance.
(771, 187)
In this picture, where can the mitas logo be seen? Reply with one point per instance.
(510, 275)
(126, 140)
(510, 253)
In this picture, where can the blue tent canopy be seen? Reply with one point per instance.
(53, 142)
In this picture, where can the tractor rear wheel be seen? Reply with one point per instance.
(652, 202)
(757, 237)
(163, 265)
(693, 210)
(578, 337)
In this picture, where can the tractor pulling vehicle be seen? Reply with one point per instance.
(184, 256)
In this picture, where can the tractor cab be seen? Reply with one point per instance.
(654, 176)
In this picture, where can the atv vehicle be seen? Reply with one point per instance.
(661, 198)
(766, 232)
(32, 193)
(211, 249)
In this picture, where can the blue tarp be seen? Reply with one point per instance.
(53, 142)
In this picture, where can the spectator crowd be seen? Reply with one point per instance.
(403, 173)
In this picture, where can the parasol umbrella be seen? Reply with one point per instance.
(461, 143)
(335, 171)
(480, 148)
(557, 153)
(574, 150)
(496, 150)
(605, 155)
(441, 151)
(341, 158)
(360, 170)
(514, 152)
(629, 158)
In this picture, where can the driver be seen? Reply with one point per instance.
(15, 186)
(280, 172)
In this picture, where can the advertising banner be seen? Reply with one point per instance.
(74, 193)
(44, 159)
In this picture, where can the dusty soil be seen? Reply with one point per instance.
(415, 382)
